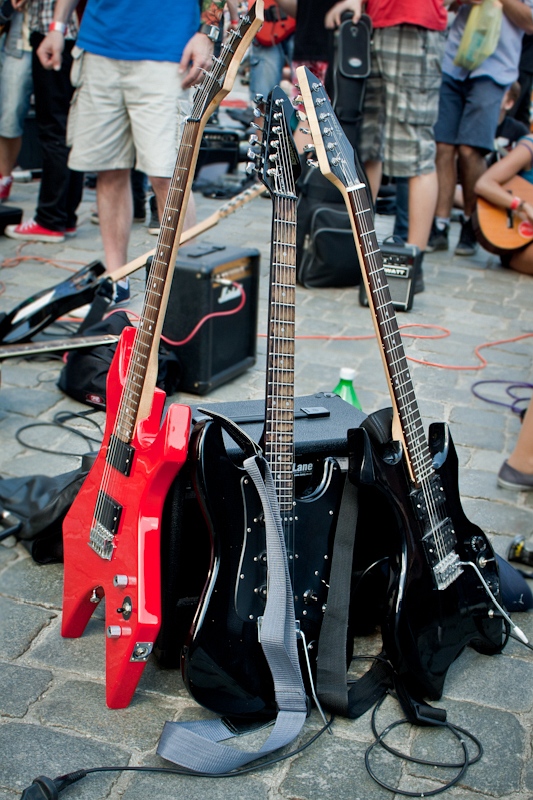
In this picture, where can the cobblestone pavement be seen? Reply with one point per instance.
(53, 717)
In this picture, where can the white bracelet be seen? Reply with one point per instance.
(60, 27)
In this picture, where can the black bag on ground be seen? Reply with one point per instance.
(84, 375)
(39, 503)
(325, 248)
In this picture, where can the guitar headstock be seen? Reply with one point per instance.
(277, 161)
(219, 80)
(334, 152)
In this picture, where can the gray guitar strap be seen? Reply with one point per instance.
(197, 745)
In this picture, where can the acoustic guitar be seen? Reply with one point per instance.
(499, 230)
(440, 565)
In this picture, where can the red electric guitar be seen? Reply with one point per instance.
(112, 531)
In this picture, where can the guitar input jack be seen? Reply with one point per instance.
(521, 635)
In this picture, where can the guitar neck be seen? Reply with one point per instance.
(386, 325)
(279, 416)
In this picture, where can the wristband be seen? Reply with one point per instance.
(516, 203)
(210, 31)
(60, 27)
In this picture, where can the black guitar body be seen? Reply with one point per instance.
(223, 664)
(43, 308)
(424, 628)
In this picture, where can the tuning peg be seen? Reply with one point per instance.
(308, 148)
(301, 116)
(298, 99)
(253, 139)
(273, 157)
(315, 87)
(257, 113)
(256, 126)
(312, 163)
(250, 168)
(259, 98)
(252, 154)
(305, 130)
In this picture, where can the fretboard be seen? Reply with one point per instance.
(279, 416)
(157, 288)
(390, 339)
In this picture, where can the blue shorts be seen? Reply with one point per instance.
(16, 86)
(469, 112)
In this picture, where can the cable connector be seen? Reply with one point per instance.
(42, 788)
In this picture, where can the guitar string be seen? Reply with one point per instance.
(158, 275)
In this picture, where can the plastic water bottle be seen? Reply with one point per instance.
(345, 388)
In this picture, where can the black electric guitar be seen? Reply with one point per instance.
(223, 663)
(437, 601)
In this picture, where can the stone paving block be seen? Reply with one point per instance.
(504, 742)
(84, 656)
(170, 787)
(498, 518)
(80, 706)
(496, 681)
(19, 625)
(31, 750)
(42, 584)
(333, 769)
(478, 436)
(484, 416)
(21, 686)
(480, 483)
(29, 404)
(7, 554)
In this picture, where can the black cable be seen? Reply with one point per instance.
(59, 421)
(62, 781)
(517, 639)
(458, 732)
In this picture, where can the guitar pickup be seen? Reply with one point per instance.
(120, 455)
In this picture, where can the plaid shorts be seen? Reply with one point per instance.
(402, 100)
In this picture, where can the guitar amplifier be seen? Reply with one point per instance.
(320, 429)
(401, 264)
(218, 145)
(225, 346)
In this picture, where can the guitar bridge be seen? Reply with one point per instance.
(105, 525)
(439, 546)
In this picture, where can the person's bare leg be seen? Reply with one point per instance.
(446, 179)
(472, 165)
(374, 172)
(522, 456)
(9, 152)
(115, 212)
(423, 190)
(160, 187)
(523, 261)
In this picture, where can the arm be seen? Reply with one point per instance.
(290, 7)
(490, 184)
(50, 51)
(198, 51)
(519, 14)
(333, 17)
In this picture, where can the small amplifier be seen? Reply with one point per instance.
(401, 264)
(224, 346)
(321, 427)
(218, 145)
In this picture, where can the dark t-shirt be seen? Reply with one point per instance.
(311, 39)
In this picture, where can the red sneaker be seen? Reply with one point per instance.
(70, 231)
(31, 231)
(5, 187)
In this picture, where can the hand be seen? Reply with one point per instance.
(526, 212)
(50, 51)
(18, 5)
(333, 17)
(196, 57)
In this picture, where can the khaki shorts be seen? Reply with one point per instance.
(402, 100)
(125, 114)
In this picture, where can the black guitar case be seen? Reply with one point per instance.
(325, 250)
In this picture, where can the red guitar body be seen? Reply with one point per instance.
(130, 577)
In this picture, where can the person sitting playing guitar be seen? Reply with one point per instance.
(492, 187)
